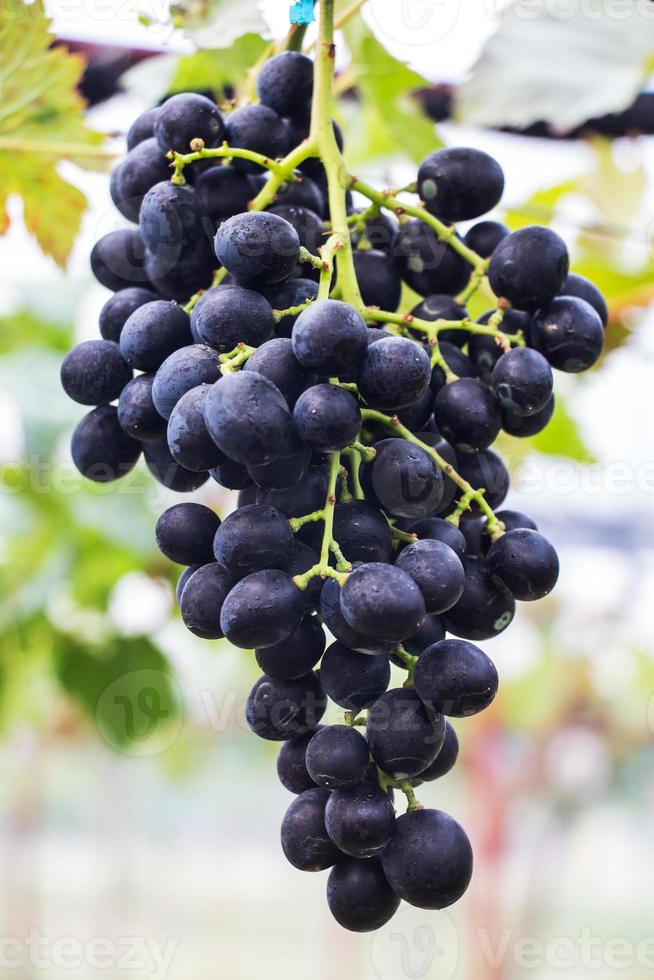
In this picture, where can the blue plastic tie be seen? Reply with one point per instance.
(302, 12)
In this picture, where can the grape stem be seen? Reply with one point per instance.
(329, 546)
(433, 327)
(323, 138)
(494, 527)
(445, 233)
(235, 358)
(404, 785)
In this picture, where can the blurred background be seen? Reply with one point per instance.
(138, 817)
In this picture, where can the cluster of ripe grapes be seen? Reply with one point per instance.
(359, 443)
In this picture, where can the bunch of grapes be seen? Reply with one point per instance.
(253, 338)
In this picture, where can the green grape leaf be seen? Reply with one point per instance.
(41, 123)
(218, 23)
(562, 437)
(536, 66)
(214, 69)
(389, 119)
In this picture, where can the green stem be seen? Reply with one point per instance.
(326, 514)
(235, 358)
(445, 233)
(495, 528)
(323, 138)
(181, 160)
(354, 459)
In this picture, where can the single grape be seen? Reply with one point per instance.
(248, 418)
(456, 678)
(351, 679)
(522, 381)
(444, 761)
(169, 218)
(430, 266)
(185, 117)
(307, 495)
(253, 538)
(143, 167)
(512, 519)
(136, 412)
(358, 895)
(117, 260)
(326, 418)
(142, 128)
(569, 333)
(523, 563)
(379, 276)
(119, 307)
(203, 598)
(382, 601)
(418, 414)
(100, 449)
(360, 819)
(438, 529)
(428, 861)
(583, 288)
(183, 579)
(94, 372)
(337, 757)
(431, 630)
(277, 362)
(291, 763)
(363, 533)
(394, 372)
(297, 655)
(467, 415)
(458, 183)
(152, 333)
(483, 611)
(484, 237)
(404, 479)
(329, 337)
(185, 532)
(338, 626)
(229, 315)
(485, 469)
(283, 472)
(523, 427)
(404, 736)
(220, 193)
(305, 842)
(259, 249)
(277, 710)
(263, 609)
(232, 476)
(182, 370)
(529, 267)
(436, 570)
(188, 439)
(167, 471)
(178, 276)
(257, 128)
(285, 83)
